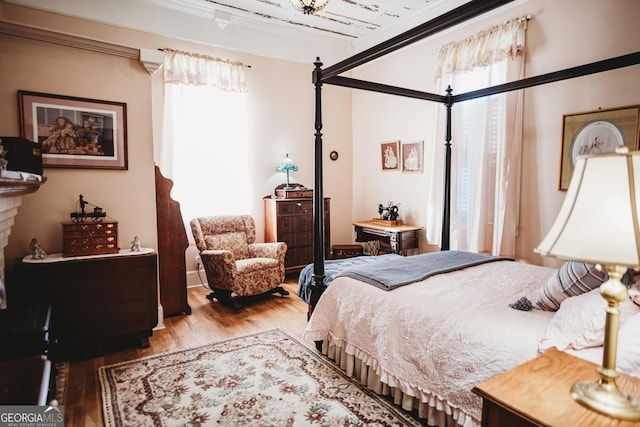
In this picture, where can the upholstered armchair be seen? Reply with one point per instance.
(234, 264)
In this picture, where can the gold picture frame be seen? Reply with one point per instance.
(599, 131)
(390, 156)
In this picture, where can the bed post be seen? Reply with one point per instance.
(446, 197)
(318, 196)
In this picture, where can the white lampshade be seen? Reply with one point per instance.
(598, 222)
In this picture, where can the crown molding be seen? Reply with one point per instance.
(69, 40)
(150, 59)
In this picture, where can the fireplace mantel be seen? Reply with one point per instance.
(10, 188)
(11, 192)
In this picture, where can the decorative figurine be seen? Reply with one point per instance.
(36, 251)
(96, 216)
(135, 244)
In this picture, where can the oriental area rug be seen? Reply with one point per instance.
(266, 379)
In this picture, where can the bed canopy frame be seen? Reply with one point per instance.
(331, 75)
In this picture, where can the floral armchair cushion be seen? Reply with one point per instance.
(231, 258)
(234, 242)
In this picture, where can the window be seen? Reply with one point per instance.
(205, 142)
(478, 132)
(485, 142)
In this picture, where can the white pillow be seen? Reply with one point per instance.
(579, 322)
(629, 346)
(628, 360)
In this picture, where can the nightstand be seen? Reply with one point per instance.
(536, 393)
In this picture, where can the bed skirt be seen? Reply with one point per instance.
(435, 411)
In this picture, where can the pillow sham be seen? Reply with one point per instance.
(628, 360)
(579, 323)
(571, 279)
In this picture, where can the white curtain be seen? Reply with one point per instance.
(204, 143)
(486, 139)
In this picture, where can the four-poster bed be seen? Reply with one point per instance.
(331, 75)
(427, 344)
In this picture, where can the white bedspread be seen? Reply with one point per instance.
(438, 338)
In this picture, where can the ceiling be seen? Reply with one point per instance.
(266, 27)
(348, 20)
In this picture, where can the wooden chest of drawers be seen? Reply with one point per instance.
(291, 221)
(96, 302)
(89, 238)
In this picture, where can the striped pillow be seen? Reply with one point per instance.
(571, 279)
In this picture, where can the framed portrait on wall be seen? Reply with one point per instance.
(75, 132)
(593, 132)
(413, 157)
(390, 155)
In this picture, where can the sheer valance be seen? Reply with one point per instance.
(196, 69)
(485, 48)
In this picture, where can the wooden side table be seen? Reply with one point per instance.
(398, 238)
(537, 393)
(94, 299)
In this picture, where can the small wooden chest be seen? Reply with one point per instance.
(346, 251)
(294, 193)
(89, 238)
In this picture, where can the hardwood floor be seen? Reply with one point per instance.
(209, 322)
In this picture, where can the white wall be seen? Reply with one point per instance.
(561, 34)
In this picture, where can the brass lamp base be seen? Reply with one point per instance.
(607, 399)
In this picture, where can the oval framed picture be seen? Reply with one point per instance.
(595, 132)
(600, 136)
(333, 155)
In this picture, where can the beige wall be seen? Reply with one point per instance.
(281, 101)
(561, 34)
(126, 196)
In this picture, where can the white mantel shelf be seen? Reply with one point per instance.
(17, 187)
(11, 192)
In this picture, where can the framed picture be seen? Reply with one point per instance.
(75, 132)
(593, 132)
(412, 157)
(390, 155)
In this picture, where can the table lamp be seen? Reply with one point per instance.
(287, 165)
(599, 223)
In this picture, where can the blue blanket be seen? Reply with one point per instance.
(391, 273)
(332, 268)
